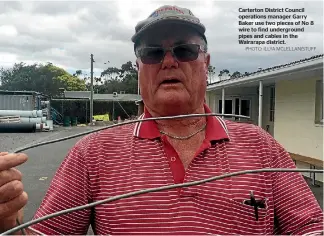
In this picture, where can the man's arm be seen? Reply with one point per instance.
(296, 208)
(69, 188)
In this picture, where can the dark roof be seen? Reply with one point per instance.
(102, 97)
(271, 68)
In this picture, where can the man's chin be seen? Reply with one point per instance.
(172, 96)
(172, 101)
(173, 107)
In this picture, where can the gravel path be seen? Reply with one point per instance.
(11, 141)
(43, 161)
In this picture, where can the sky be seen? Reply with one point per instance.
(65, 33)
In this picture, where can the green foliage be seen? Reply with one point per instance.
(71, 83)
(47, 79)
(115, 79)
(211, 70)
(236, 74)
(225, 74)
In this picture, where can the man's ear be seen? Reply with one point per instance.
(207, 63)
(207, 60)
(137, 64)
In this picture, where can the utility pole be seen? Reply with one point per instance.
(91, 89)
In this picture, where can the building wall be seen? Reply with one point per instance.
(294, 125)
(17, 102)
(212, 98)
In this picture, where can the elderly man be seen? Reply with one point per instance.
(172, 59)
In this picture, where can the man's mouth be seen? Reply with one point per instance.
(171, 81)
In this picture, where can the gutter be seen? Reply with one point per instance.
(263, 75)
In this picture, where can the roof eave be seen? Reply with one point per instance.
(264, 75)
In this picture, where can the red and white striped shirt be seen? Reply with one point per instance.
(135, 157)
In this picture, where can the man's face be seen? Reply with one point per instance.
(173, 87)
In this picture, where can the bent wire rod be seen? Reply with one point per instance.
(125, 123)
(135, 193)
(131, 194)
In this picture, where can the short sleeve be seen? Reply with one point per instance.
(69, 188)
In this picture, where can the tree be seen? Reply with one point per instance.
(71, 83)
(111, 72)
(116, 79)
(47, 79)
(77, 73)
(236, 74)
(98, 79)
(211, 72)
(211, 69)
(129, 68)
(224, 74)
(129, 77)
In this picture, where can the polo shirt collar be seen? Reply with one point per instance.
(216, 128)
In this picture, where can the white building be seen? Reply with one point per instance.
(285, 100)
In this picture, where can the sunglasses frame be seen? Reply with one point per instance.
(138, 52)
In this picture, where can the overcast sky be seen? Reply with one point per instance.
(67, 32)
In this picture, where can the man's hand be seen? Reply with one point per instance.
(12, 195)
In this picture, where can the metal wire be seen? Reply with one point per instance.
(131, 194)
(150, 190)
(22, 230)
(125, 123)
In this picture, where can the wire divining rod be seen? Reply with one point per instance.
(135, 193)
(150, 190)
(125, 123)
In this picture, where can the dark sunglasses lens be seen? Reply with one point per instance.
(186, 53)
(152, 55)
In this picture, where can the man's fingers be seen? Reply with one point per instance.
(9, 175)
(10, 191)
(13, 206)
(11, 160)
(12, 195)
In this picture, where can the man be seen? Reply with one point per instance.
(172, 59)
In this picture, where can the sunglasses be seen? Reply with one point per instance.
(183, 53)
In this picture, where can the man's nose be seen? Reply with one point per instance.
(169, 61)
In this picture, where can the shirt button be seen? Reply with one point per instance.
(173, 158)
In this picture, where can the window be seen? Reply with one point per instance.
(272, 103)
(237, 106)
(228, 106)
(319, 102)
(245, 107)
